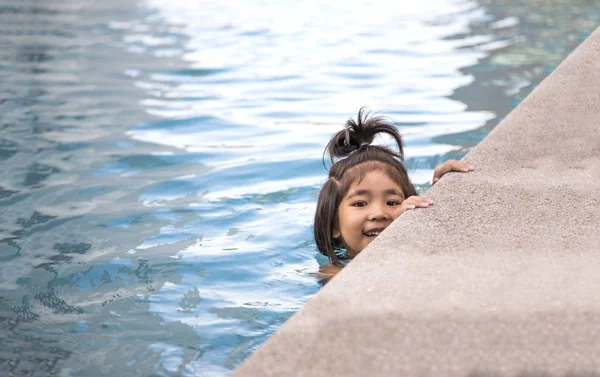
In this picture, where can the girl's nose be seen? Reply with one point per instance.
(379, 213)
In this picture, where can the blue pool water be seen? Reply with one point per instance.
(160, 160)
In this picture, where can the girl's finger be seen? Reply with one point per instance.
(418, 199)
(442, 169)
(462, 166)
(420, 203)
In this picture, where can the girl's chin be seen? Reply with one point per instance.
(365, 242)
(368, 240)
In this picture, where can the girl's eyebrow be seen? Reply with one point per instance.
(358, 193)
(368, 192)
(393, 192)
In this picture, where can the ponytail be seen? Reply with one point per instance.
(359, 134)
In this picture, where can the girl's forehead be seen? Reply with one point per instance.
(375, 180)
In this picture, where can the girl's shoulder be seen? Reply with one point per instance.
(327, 272)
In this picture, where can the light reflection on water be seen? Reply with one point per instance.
(161, 160)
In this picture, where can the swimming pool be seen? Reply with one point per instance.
(161, 160)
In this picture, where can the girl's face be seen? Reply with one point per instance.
(366, 210)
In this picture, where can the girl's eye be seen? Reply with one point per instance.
(393, 203)
(359, 204)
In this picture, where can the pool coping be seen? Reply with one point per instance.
(499, 277)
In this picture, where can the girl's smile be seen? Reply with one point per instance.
(367, 209)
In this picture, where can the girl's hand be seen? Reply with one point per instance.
(413, 202)
(448, 166)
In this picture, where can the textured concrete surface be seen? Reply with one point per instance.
(500, 277)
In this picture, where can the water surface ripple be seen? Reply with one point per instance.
(160, 161)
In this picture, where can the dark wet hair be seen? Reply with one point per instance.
(352, 156)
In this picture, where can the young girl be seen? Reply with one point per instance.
(368, 188)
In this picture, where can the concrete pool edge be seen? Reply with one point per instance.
(499, 277)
